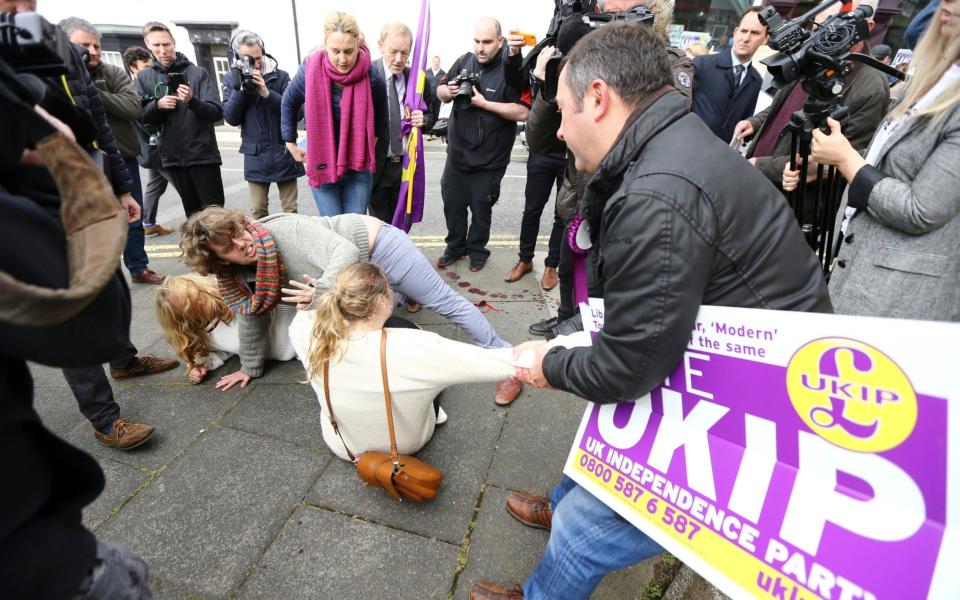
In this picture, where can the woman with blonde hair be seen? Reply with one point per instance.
(900, 256)
(342, 114)
(344, 334)
(203, 331)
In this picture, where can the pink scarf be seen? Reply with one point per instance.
(326, 162)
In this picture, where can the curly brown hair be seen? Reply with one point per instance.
(205, 232)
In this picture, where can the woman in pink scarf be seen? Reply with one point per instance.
(342, 114)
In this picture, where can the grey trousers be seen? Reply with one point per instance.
(116, 574)
(413, 276)
(157, 181)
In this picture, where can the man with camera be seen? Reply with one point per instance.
(866, 96)
(676, 221)
(183, 106)
(122, 105)
(251, 100)
(388, 78)
(480, 138)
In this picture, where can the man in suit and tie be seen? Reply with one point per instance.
(435, 73)
(725, 84)
(389, 78)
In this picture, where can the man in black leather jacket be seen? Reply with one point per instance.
(676, 220)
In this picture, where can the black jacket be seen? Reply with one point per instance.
(716, 97)
(188, 136)
(86, 96)
(265, 156)
(378, 87)
(678, 220)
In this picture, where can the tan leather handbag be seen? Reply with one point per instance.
(400, 475)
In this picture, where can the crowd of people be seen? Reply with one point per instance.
(654, 209)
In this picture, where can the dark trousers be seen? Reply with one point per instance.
(544, 174)
(199, 186)
(477, 191)
(92, 390)
(565, 275)
(383, 198)
(156, 186)
(134, 256)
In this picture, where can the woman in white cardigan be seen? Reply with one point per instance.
(345, 331)
(203, 331)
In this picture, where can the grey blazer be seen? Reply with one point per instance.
(901, 256)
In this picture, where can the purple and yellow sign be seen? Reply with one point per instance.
(794, 456)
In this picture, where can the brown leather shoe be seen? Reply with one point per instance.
(125, 435)
(507, 391)
(521, 269)
(530, 509)
(156, 230)
(148, 276)
(549, 279)
(413, 307)
(485, 590)
(144, 365)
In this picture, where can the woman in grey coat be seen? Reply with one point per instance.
(900, 256)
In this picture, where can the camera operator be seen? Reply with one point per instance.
(867, 96)
(678, 221)
(63, 305)
(252, 102)
(122, 105)
(480, 137)
(186, 115)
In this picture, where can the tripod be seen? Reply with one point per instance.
(816, 215)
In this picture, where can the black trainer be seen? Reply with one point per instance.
(543, 327)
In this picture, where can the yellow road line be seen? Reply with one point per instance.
(422, 241)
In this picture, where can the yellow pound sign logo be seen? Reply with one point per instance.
(851, 394)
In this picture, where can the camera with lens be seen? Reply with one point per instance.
(464, 96)
(31, 44)
(573, 27)
(817, 57)
(246, 65)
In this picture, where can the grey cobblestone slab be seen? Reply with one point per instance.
(284, 412)
(206, 520)
(122, 482)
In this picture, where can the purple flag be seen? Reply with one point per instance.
(412, 181)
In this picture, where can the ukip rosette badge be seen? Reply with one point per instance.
(851, 394)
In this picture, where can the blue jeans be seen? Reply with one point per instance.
(134, 256)
(350, 194)
(587, 541)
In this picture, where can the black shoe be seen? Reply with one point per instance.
(543, 327)
(477, 264)
(446, 260)
(571, 325)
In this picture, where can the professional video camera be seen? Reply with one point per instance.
(464, 96)
(819, 59)
(574, 26)
(246, 65)
(31, 44)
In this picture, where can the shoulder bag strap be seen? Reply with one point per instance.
(386, 395)
(333, 420)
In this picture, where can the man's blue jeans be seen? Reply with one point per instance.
(587, 541)
(134, 256)
(350, 194)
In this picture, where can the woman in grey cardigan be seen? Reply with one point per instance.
(900, 256)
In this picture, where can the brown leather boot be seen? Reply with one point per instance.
(485, 590)
(125, 435)
(521, 269)
(144, 365)
(549, 279)
(530, 509)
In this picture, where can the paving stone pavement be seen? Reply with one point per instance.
(236, 495)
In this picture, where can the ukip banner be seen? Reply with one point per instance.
(412, 180)
(793, 455)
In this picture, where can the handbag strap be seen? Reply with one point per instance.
(386, 395)
(333, 420)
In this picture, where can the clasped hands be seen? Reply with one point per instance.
(532, 376)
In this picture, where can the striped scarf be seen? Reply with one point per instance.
(270, 272)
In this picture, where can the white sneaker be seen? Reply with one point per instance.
(441, 416)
